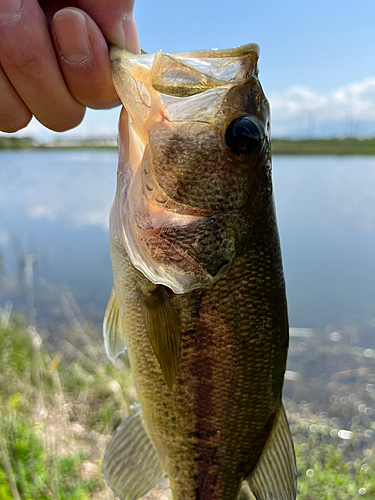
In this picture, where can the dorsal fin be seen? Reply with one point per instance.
(163, 329)
(114, 340)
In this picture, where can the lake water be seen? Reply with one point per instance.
(54, 232)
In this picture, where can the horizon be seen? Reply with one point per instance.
(63, 138)
(316, 61)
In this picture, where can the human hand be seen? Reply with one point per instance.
(54, 63)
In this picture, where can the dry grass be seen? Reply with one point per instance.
(58, 409)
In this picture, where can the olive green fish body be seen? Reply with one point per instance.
(199, 295)
(211, 428)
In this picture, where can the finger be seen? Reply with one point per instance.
(116, 21)
(88, 78)
(29, 61)
(14, 115)
(51, 7)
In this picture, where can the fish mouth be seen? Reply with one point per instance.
(180, 73)
(170, 97)
(148, 84)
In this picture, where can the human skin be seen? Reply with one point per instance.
(54, 59)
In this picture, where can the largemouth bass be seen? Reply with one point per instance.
(199, 296)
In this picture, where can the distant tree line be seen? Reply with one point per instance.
(346, 146)
(17, 142)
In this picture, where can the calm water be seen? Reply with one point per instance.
(53, 219)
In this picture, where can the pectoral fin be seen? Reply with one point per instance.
(131, 465)
(163, 329)
(114, 341)
(275, 475)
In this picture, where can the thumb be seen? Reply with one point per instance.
(116, 21)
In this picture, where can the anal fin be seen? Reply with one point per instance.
(163, 329)
(275, 476)
(114, 340)
(131, 465)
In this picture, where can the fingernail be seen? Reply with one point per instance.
(10, 11)
(72, 36)
(131, 35)
(125, 35)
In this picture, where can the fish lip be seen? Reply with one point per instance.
(240, 51)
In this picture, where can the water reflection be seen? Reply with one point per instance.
(54, 205)
(326, 213)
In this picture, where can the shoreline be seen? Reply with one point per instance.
(301, 147)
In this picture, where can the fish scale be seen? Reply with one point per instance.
(234, 361)
(206, 332)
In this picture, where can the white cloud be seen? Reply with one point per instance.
(41, 212)
(349, 109)
(94, 217)
(358, 99)
(296, 100)
(85, 202)
(4, 237)
(71, 211)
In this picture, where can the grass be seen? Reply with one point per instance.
(325, 474)
(347, 146)
(59, 406)
(56, 415)
(327, 471)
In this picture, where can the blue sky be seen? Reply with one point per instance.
(320, 44)
(317, 62)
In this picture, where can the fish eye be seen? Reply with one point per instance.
(243, 136)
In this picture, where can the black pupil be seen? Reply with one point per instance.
(243, 136)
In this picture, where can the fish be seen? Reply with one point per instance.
(199, 296)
